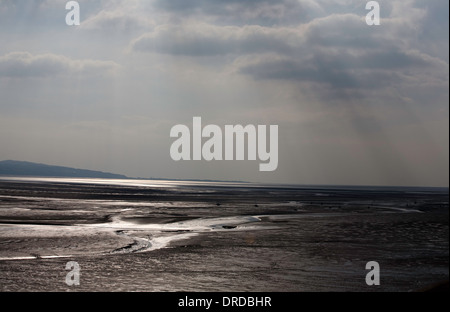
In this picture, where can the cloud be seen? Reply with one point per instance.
(343, 93)
(111, 20)
(202, 39)
(368, 69)
(25, 64)
(276, 68)
(263, 12)
(115, 21)
(338, 50)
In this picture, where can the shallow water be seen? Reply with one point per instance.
(185, 236)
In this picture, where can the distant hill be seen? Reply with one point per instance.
(24, 168)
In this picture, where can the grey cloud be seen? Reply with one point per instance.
(435, 28)
(351, 56)
(24, 64)
(114, 21)
(369, 69)
(337, 50)
(289, 69)
(262, 12)
(343, 30)
(21, 64)
(203, 40)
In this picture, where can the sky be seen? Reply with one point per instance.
(354, 104)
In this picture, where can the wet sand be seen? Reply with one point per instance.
(219, 237)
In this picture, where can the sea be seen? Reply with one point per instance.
(204, 236)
